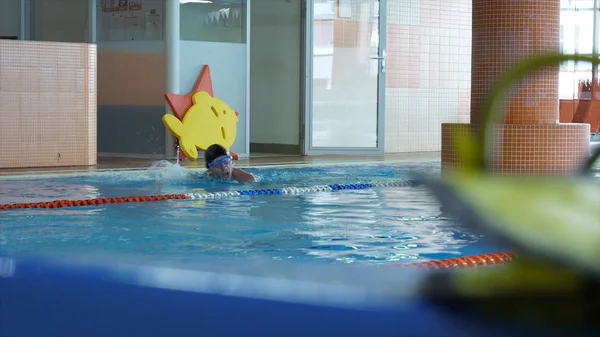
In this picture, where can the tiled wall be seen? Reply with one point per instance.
(498, 45)
(524, 149)
(529, 139)
(429, 71)
(47, 104)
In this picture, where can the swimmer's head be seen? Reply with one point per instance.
(218, 162)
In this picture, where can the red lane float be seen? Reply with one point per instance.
(466, 261)
(93, 202)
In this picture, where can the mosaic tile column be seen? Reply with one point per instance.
(48, 104)
(529, 140)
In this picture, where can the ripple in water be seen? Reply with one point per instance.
(386, 225)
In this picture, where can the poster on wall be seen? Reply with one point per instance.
(133, 30)
(130, 20)
(116, 28)
(135, 5)
(154, 26)
(108, 5)
(121, 5)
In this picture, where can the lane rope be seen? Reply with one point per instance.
(204, 195)
(474, 261)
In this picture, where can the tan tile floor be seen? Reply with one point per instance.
(111, 164)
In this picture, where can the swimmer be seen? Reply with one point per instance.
(219, 164)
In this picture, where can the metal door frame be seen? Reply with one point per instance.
(307, 131)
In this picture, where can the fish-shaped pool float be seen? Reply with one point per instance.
(208, 121)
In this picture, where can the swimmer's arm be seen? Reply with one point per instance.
(243, 176)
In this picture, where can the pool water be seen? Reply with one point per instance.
(379, 225)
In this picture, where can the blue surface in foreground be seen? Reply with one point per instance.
(46, 298)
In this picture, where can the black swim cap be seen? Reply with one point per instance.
(213, 152)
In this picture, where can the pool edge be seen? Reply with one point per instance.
(32, 175)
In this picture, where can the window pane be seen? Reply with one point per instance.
(213, 22)
(130, 20)
(584, 31)
(584, 4)
(345, 74)
(576, 37)
(59, 20)
(10, 19)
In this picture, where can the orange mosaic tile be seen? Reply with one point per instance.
(505, 33)
(525, 149)
(529, 139)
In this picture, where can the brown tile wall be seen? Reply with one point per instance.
(47, 104)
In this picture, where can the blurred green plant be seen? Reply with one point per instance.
(553, 223)
(473, 152)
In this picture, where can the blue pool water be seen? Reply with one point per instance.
(379, 225)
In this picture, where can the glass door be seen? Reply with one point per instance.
(345, 77)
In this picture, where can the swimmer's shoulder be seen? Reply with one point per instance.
(243, 176)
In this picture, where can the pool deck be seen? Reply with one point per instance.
(120, 164)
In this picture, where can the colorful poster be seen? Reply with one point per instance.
(122, 6)
(108, 5)
(154, 26)
(135, 5)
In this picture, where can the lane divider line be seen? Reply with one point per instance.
(474, 261)
(203, 195)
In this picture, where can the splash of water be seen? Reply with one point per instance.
(167, 171)
(162, 170)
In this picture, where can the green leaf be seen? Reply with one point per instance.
(548, 216)
(467, 150)
(520, 276)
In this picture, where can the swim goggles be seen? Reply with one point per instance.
(220, 162)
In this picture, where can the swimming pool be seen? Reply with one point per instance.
(374, 226)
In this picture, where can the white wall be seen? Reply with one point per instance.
(275, 64)
(10, 17)
(227, 63)
(213, 22)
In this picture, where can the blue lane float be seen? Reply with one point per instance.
(296, 190)
(203, 195)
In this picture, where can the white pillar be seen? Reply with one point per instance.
(92, 21)
(172, 62)
(596, 33)
(25, 20)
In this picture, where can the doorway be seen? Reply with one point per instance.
(345, 97)
(276, 70)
